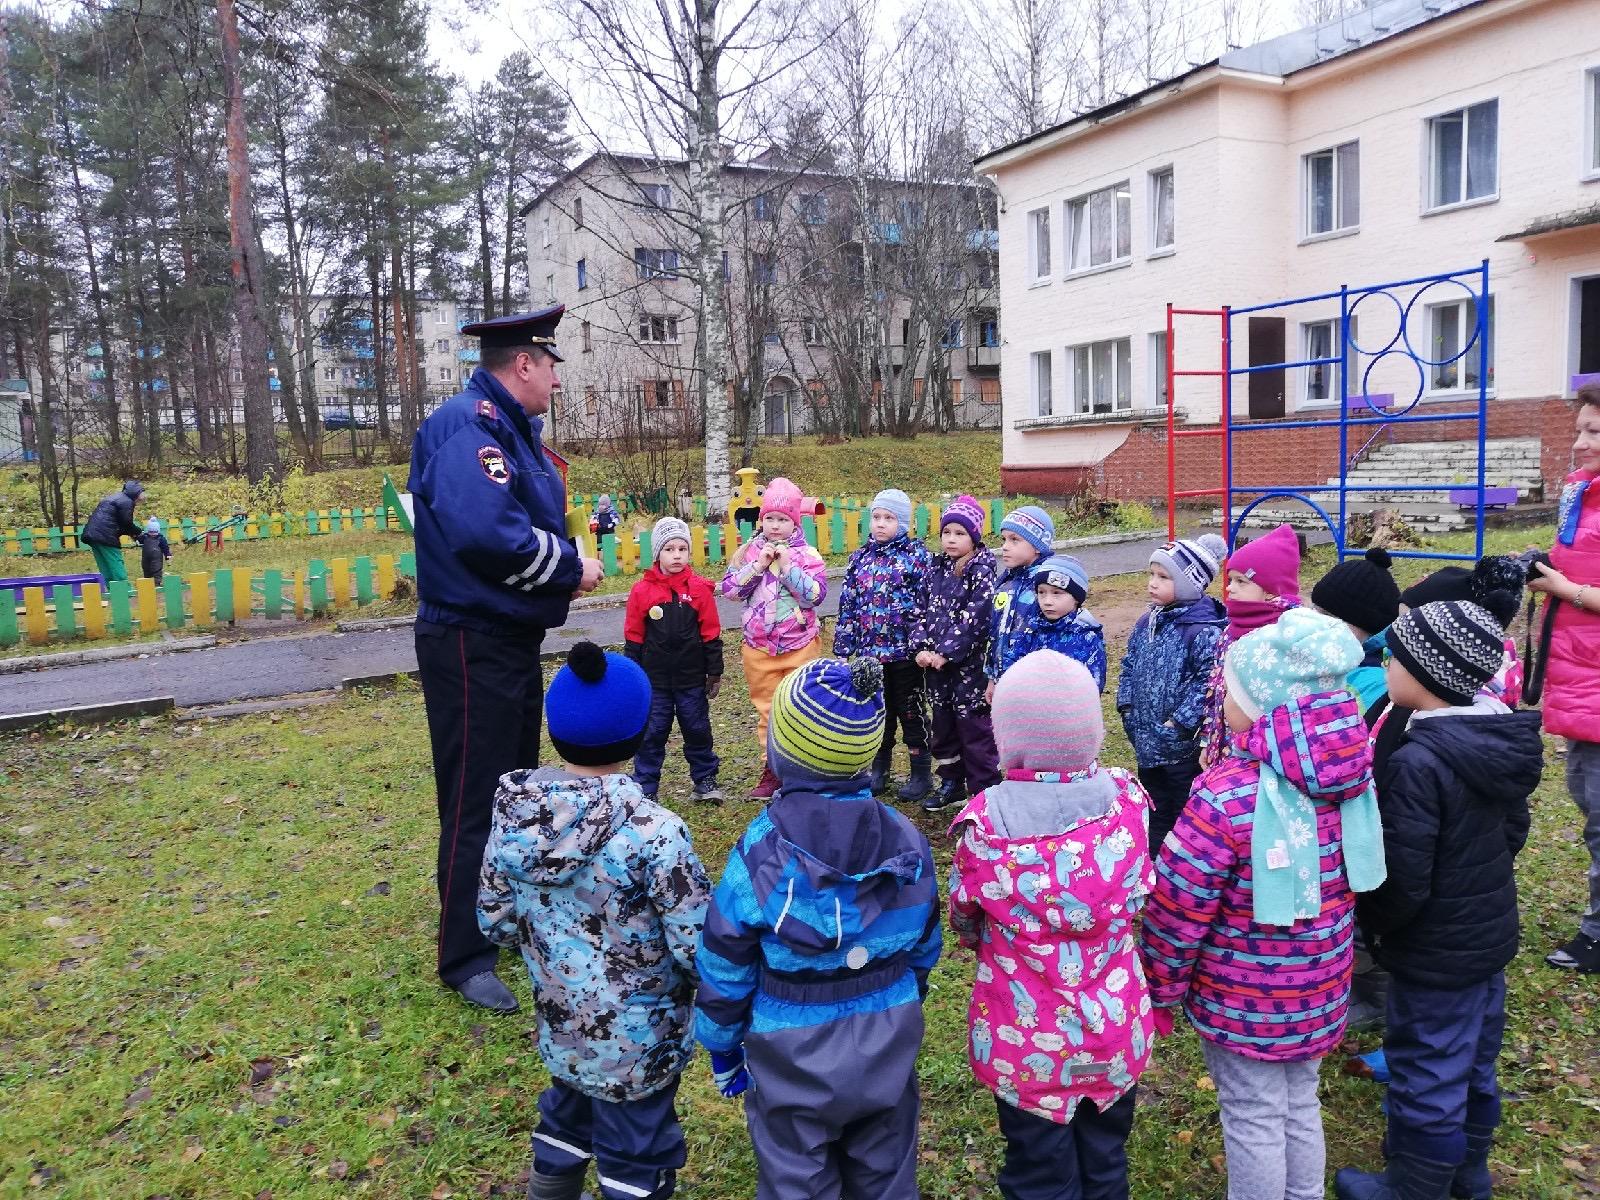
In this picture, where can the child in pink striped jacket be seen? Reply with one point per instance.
(1249, 929)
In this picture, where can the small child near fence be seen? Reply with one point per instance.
(154, 550)
(1061, 588)
(781, 581)
(673, 631)
(885, 587)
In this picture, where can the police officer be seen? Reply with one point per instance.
(494, 572)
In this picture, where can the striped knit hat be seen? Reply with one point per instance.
(1192, 564)
(1047, 714)
(667, 529)
(827, 721)
(1451, 647)
(967, 513)
(1033, 525)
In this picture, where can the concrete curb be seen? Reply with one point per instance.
(1110, 539)
(75, 658)
(248, 708)
(389, 679)
(88, 714)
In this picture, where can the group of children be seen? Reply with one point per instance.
(1226, 881)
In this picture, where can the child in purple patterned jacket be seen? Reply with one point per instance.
(885, 587)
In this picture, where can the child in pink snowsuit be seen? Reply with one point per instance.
(1050, 868)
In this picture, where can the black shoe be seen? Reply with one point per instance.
(556, 1187)
(878, 779)
(920, 785)
(486, 991)
(708, 792)
(951, 793)
(1581, 954)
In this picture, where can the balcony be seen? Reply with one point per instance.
(983, 358)
(984, 240)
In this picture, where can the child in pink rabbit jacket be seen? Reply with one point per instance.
(1051, 866)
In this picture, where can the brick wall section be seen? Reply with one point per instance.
(1266, 456)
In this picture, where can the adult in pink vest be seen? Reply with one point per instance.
(1572, 673)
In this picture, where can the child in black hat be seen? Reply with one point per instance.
(1444, 922)
(1362, 593)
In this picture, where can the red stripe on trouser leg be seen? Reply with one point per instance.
(461, 794)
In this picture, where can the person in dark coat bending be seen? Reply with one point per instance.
(102, 533)
(494, 572)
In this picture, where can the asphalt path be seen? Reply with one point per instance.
(288, 664)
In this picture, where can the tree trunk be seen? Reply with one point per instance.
(102, 325)
(44, 425)
(486, 252)
(705, 186)
(380, 357)
(260, 434)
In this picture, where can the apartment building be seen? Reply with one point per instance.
(839, 292)
(1414, 138)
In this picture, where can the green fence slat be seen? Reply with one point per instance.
(172, 601)
(319, 593)
(363, 570)
(407, 564)
(9, 634)
(866, 525)
(119, 593)
(714, 543)
(188, 528)
(922, 520)
(646, 557)
(25, 541)
(66, 615)
(380, 517)
(222, 581)
(335, 520)
(745, 531)
(55, 540)
(809, 524)
(608, 552)
(997, 513)
(272, 594)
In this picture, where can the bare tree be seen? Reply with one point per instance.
(1027, 49)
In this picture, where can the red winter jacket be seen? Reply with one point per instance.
(1572, 677)
(672, 628)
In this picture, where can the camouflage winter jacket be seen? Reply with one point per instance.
(603, 894)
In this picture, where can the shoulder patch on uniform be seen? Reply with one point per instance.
(486, 408)
(493, 461)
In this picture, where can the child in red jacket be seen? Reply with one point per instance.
(672, 630)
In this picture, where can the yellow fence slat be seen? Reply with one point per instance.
(242, 598)
(34, 617)
(94, 612)
(385, 575)
(339, 577)
(200, 611)
(144, 593)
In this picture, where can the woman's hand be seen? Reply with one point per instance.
(1549, 581)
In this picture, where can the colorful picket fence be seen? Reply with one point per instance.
(199, 600)
(311, 523)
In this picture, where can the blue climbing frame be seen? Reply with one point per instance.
(1471, 283)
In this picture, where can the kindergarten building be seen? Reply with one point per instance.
(1413, 138)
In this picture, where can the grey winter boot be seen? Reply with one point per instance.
(1473, 1181)
(919, 786)
(879, 780)
(557, 1187)
(1407, 1177)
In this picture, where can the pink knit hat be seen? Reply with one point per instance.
(1047, 714)
(784, 498)
(1272, 562)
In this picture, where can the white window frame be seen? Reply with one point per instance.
(1434, 386)
(1343, 223)
(657, 330)
(1121, 362)
(811, 332)
(441, 346)
(446, 374)
(1591, 125)
(1307, 332)
(1038, 246)
(1158, 247)
(1431, 128)
(1079, 212)
(1156, 348)
(656, 195)
(1040, 402)
(330, 374)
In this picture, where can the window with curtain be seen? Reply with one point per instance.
(1316, 341)
(656, 195)
(1158, 369)
(1163, 210)
(1039, 242)
(1099, 228)
(1102, 376)
(1452, 327)
(1333, 189)
(1040, 383)
(1464, 154)
(583, 273)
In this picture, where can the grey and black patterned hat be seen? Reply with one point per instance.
(1451, 647)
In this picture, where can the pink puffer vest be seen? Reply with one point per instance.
(1572, 675)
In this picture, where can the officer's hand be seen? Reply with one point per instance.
(593, 572)
(713, 686)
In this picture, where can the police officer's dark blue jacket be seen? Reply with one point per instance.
(490, 517)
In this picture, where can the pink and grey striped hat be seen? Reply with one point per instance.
(1047, 715)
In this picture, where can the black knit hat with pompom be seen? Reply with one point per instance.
(1360, 591)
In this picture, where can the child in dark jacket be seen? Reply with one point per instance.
(1026, 535)
(153, 550)
(1062, 624)
(1362, 593)
(950, 637)
(1454, 796)
(1249, 928)
(885, 587)
(672, 630)
(1161, 689)
(816, 954)
(602, 892)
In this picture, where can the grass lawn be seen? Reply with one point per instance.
(218, 942)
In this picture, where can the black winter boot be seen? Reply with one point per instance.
(920, 785)
(1473, 1181)
(557, 1187)
(1407, 1177)
(951, 793)
(878, 779)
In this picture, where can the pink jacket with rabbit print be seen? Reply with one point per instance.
(1048, 875)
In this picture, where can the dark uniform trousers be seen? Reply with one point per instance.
(484, 695)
